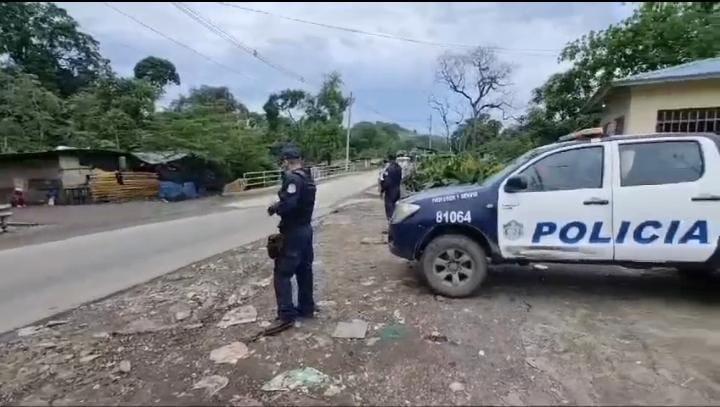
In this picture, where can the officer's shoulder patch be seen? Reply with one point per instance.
(291, 188)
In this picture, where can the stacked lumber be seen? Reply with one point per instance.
(104, 186)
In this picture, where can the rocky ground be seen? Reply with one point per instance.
(556, 336)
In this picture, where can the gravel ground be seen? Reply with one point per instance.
(558, 336)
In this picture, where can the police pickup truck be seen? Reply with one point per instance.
(639, 201)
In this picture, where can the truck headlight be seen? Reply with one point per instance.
(403, 211)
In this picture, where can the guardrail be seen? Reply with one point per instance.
(261, 179)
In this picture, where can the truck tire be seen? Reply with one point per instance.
(454, 265)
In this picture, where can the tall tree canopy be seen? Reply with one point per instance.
(216, 98)
(657, 35)
(160, 72)
(43, 40)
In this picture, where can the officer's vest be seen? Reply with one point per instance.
(307, 196)
(306, 202)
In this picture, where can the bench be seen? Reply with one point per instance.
(4, 216)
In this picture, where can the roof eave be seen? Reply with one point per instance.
(669, 79)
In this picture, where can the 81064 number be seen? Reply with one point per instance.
(453, 216)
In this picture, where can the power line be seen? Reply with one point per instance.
(167, 37)
(223, 34)
(217, 30)
(391, 36)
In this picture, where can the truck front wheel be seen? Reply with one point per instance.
(454, 265)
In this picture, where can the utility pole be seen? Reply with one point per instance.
(430, 133)
(347, 136)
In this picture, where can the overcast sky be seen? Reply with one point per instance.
(389, 76)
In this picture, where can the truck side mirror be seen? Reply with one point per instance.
(516, 183)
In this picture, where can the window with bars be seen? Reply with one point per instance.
(689, 120)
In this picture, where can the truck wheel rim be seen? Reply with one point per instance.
(453, 267)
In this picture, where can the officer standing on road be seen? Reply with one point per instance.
(390, 185)
(295, 208)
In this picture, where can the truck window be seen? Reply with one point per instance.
(579, 168)
(656, 163)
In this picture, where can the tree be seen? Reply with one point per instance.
(157, 71)
(443, 108)
(113, 113)
(478, 78)
(312, 121)
(30, 116)
(215, 98)
(657, 35)
(43, 40)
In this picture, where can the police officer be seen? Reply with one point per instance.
(295, 208)
(390, 185)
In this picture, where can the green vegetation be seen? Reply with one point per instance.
(656, 36)
(56, 89)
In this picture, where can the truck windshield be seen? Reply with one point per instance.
(514, 164)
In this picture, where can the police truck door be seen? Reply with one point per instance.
(666, 199)
(557, 207)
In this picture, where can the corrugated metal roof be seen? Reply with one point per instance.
(701, 69)
(159, 157)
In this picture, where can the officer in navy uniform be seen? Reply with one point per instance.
(390, 185)
(295, 208)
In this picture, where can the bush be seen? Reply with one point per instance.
(457, 169)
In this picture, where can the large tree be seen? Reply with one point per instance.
(43, 40)
(478, 80)
(160, 72)
(30, 116)
(214, 98)
(657, 35)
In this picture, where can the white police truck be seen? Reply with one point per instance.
(639, 201)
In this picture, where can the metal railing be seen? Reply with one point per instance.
(261, 179)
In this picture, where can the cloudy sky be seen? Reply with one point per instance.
(387, 76)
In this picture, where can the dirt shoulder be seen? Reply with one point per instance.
(558, 336)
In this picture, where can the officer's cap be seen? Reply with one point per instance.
(290, 153)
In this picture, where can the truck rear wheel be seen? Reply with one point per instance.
(454, 265)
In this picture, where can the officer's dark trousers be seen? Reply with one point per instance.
(295, 260)
(392, 195)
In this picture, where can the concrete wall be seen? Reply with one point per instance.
(645, 101)
(12, 172)
(617, 104)
(73, 174)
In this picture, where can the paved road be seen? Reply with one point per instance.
(39, 280)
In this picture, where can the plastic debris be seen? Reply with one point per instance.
(456, 387)
(28, 331)
(212, 384)
(332, 391)
(393, 332)
(298, 378)
(356, 329)
(56, 322)
(436, 337)
(229, 353)
(240, 315)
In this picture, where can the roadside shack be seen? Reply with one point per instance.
(71, 176)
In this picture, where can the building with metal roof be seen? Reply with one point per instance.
(680, 99)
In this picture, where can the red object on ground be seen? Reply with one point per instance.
(18, 199)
